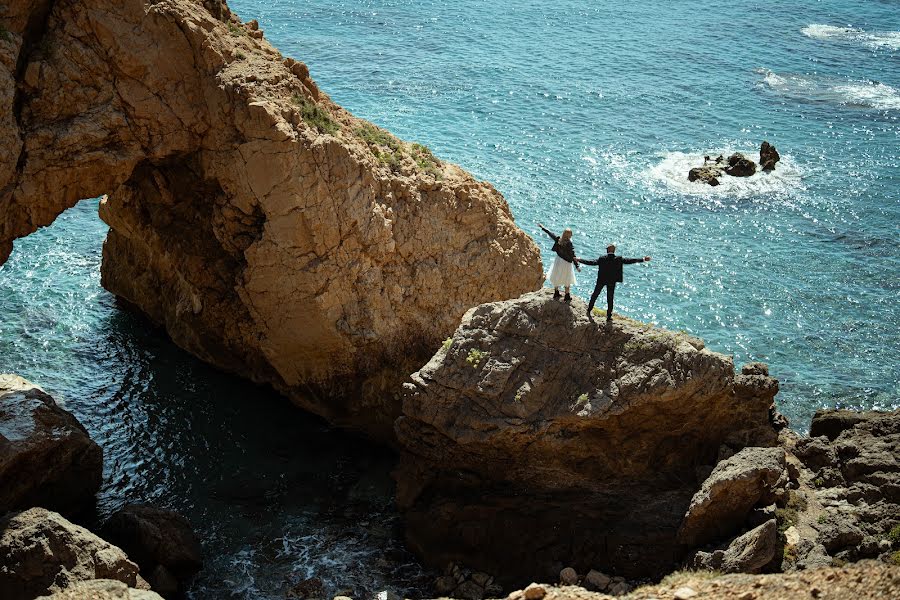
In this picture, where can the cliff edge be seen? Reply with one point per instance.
(272, 233)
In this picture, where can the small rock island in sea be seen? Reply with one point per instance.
(737, 165)
(534, 444)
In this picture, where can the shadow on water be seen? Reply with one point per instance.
(277, 495)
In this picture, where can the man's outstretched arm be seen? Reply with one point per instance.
(591, 263)
(631, 261)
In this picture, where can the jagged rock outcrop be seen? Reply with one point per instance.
(768, 156)
(42, 553)
(271, 232)
(708, 174)
(534, 435)
(737, 484)
(46, 456)
(160, 541)
(847, 499)
(740, 166)
(747, 553)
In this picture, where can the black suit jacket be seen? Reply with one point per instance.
(610, 267)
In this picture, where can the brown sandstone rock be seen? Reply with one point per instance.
(270, 231)
(535, 427)
(42, 553)
(46, 456)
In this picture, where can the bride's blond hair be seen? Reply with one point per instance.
(567, 234)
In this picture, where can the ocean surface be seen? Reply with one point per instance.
(584, 114)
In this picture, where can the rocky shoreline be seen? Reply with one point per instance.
(527, 443)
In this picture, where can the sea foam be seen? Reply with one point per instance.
(834, 90)
(873, 39)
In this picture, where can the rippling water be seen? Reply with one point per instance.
(586, 114)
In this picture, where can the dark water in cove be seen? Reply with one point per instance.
(586, 114)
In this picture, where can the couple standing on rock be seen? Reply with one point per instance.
(609, 270)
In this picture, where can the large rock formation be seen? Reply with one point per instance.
(272, 233)
(46, 456)
(102, 589)
(535, 435)
(42, 553)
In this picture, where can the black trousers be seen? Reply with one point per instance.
(610, 293)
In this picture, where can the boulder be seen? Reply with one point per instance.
(102, 589)
(43, 553)
(747, 553)
(268, 230)
(768, 156)
(726, 498)
(46, 456)
(534, 427)
(596, 580)
(156, 537)
(568, 576)
(740, 166)
(706, 174)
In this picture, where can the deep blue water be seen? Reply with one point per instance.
(586, 114)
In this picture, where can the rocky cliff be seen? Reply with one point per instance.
(270, 231)
(537, 439)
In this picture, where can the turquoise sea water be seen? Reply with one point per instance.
(586, 114)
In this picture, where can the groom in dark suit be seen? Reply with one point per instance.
(608, 274)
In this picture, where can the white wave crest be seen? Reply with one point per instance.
(672, 172)
(873, 39)
(820, 88)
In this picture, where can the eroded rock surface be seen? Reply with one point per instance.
(42, 553)
(46, 456)
(102, 589)
(271, 232)
(847, 502)
(535, 435)
(768, 156)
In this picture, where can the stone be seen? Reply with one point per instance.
(342, 598)
(831, 423)
(596, 580)
(815, 452)
(444, 584)
(619, 588)
(568, 576)
(269, 231)
(46, 457)
(707, 174)
(735, 486)
(534, 591)
(768, 156)
(469, 590)
(740, 166)
(42, 553)
(482, 579)
(387, 595)
(153, 536)
(750, 552)
(101, 589)
(684, 593)
(532, 403)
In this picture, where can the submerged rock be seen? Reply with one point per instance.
(537, 428)
(46, 456)
(272, 233)
(42, 553)
(768, 156)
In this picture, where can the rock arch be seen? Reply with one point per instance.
(270, 231)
